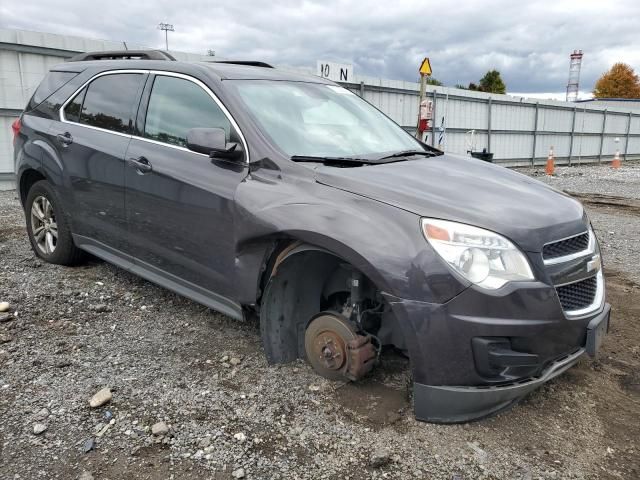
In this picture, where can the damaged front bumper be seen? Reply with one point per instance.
(467, 367)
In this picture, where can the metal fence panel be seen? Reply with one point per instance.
(6, 145)
(513, 117)
(588, 121)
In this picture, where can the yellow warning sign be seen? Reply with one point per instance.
(425, 67)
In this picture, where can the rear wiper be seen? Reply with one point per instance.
(409, 153)
(311, 158)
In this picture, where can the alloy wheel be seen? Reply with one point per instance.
(44, 227)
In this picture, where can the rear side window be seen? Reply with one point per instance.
(52, 82)
(73, 108)
(175, 106)
(108, 102)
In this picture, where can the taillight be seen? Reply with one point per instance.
(16, 126)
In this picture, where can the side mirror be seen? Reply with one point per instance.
(212, 142)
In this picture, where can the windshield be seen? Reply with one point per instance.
(318, 120)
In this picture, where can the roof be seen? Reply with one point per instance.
(223, 70)
(247, 72)
(609, 99)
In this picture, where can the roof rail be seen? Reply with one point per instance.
(251, 63)
(123, 55)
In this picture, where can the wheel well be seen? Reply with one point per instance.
(27, 180)
(301, 281)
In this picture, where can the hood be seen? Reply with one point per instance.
(467, 190)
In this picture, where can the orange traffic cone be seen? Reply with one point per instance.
(550, 163)
(616, 160)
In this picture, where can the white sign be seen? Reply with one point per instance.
(338, 72)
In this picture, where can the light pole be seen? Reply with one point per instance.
(167, 27)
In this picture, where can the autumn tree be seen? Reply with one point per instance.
(619, 82)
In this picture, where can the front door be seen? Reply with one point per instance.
(180, 204)
(92, 139)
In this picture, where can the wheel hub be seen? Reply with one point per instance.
(335, 350)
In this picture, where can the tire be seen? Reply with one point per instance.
(52, 240)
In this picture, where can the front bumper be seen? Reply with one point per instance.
(442, 404)
(451, 381)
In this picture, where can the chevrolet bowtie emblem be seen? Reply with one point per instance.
(594, 264)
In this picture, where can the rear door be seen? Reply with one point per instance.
(92, 137)
(180, 204)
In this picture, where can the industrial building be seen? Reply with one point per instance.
(517, 130)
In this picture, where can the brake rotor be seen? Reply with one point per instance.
(335, 350)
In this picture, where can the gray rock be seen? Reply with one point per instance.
(100, 398)
(5, 338)
(239, 473)
(379, 458)
(85, 476)
(39, 428)
(235, 361)
(88, 445)
(101, 308)
(5, 317)
(42, 414)
(204, 442)
(160, 428)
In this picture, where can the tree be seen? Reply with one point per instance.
(460, 86)
(434, 81)
(492, 83)
(619, 82)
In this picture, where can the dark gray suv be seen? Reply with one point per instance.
(261, 192)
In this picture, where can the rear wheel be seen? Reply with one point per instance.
(48, 228)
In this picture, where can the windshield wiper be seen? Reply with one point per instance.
(409, 153)
(311, 158)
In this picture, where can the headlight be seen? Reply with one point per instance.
(482, 257)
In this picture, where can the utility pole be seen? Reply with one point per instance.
(167, 27)
(424, 112)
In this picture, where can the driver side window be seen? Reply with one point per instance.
(177, 105)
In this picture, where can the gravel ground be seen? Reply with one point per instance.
(594, 179)
(612, 197)
(200, 381)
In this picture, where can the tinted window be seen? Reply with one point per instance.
(53, 82)
(109, 101)
(72, 110)
(177, 105)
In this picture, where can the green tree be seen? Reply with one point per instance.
(492, 83)
(619, 82)
(434, 81)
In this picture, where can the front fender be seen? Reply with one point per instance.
(383, 242)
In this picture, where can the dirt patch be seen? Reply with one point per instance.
(622, 204)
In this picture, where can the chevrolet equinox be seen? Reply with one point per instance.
(256, 191)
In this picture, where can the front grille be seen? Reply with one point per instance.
(578, 295)
(566, 247)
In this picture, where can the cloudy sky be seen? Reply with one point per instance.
(528, 42)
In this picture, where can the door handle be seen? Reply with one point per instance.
(65, 138)
(141, 164)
